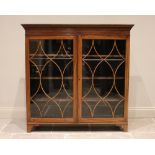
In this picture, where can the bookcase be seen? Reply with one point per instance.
(77, 74)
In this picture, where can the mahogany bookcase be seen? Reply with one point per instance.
(77, 74)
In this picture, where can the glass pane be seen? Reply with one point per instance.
(51, 78)
(103, 78)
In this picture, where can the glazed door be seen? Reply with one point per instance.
(52, 64)
(102, 78)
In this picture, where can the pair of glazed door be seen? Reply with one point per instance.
(77, 79)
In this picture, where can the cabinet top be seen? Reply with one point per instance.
(76, 29)
(123, 26)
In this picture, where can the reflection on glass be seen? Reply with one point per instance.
(51, 78)
(103, 74)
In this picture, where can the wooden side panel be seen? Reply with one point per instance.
(127, 77)
(27, 74)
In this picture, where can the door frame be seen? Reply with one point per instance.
(126, 90)
(31, 120)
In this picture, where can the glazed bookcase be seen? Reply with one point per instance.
(77, 74)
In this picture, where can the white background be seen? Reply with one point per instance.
(73, 7)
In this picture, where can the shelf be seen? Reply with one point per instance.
(51, 58)
(97, 99)
(99, 59)
(90, 99)
(54, 55)
(42, 99)
(103, 56)
(70, 56)
(52, 78)
(111, 98)
(100, 78)
(39, 54)
(86, 59)
(83, 78)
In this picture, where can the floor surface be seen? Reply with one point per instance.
(138, 128)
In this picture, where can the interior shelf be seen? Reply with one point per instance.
(85, 78)
(83, 55)
(63, 58)
(88, 99)
(99, 59)
(48, 78)
(103, 56)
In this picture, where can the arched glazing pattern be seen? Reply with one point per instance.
(51, 78)
(103, 78)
